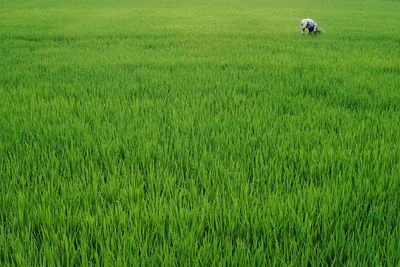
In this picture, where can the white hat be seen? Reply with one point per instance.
(303, 23)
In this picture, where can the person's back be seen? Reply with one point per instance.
(309, 24)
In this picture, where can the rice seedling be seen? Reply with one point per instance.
(185, 133)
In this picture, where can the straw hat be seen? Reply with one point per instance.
(303, 23)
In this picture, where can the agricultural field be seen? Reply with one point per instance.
(177, 132)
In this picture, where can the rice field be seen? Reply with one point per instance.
(206, 133)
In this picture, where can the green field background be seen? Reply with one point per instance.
(199, 133)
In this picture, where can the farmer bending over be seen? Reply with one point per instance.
(309, 24)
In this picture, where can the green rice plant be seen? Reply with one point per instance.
(199, 133)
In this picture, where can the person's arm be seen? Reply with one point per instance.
(303, 31)
(313, 30)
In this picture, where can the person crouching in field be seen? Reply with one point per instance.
(310, 25)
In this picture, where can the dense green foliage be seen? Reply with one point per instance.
(199, 133)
